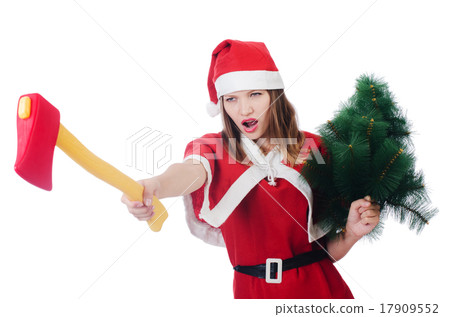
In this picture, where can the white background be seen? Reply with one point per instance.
(115, 67)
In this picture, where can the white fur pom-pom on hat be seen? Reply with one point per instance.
(213, 109)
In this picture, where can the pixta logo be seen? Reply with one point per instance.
(148, 150)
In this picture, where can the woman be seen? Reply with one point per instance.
(243, 189)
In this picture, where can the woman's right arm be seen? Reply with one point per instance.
(178, 180)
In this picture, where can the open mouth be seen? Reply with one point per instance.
(250, 125)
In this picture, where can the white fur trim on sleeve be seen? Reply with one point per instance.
(201, 229)
(198, 228)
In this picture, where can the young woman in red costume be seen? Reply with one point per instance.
(243, 188)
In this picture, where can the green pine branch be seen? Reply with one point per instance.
(370, 152)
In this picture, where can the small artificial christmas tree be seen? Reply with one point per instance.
(368, 152)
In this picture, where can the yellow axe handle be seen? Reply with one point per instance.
(133, 190)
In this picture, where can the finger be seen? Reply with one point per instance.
(357, 204)
(368, 198)
(141, 210)
(374, 207)
(137, 210)
(149, 192)
(136, 204)
(131, 204)
(139, 214)
(146, 217)
(374, 202)
(125, 200)
(370, 213)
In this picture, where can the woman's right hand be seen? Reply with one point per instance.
(144, 211)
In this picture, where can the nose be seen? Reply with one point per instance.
(245, 107)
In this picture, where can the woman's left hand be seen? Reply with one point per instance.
(363, 216)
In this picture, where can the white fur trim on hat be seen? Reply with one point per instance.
(212, 108)
(247, 80)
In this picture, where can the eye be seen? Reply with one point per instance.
(256, 93)
(230, 99)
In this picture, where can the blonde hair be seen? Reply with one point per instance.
(282, 125)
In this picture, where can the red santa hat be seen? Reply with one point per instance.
(237, 65)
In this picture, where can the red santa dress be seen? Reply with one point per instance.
(260, 211)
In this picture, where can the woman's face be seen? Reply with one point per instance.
(249, 111)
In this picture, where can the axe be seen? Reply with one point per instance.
(39, 130)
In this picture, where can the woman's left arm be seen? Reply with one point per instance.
(363, 216)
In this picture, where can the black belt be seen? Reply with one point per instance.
(276, 266)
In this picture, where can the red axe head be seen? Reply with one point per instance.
(37, 132)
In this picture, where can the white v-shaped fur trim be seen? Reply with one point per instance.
(240, 188)
(235, 194)
(273, 161)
